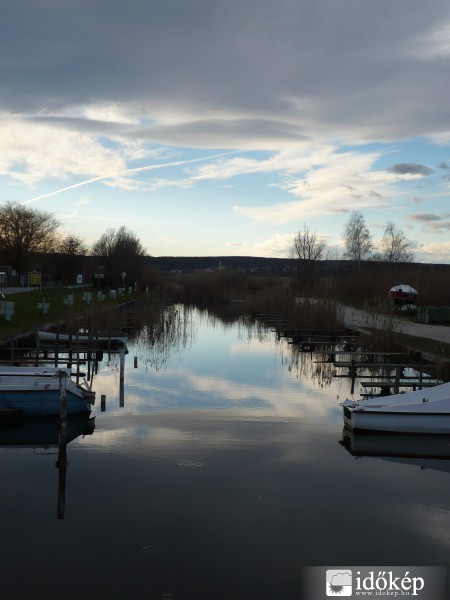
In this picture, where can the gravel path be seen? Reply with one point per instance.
(359, 319)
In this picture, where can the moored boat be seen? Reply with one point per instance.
(30, 391)
(81, 338)
(403, 294)
(420, 411)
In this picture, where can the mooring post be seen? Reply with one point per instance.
(122, 373)
(61, 465)
(88, 356)
(57, 349)
(36, 364)
(62, 395)
(398, 372)
(70, 350)
(77, 352)
(353, 375)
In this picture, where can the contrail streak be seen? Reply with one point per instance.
(124, 171)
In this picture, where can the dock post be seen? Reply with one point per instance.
(70, 350)
(88, 357)
(62, 395)
(36, 364)
(122, 373)
(353, 376)
(61, 465)
(56, 351)
(398, 371)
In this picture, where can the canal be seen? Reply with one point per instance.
(217, 474)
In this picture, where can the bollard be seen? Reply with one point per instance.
(135, 362)
(103, 402)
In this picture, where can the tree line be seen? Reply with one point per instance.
(308, 248)
(25, 231)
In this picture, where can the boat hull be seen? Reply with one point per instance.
(400, 422)
(32, 403)
(33, 391)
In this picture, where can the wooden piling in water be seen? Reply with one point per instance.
(62, 395)
(61, 464)
(122, 375)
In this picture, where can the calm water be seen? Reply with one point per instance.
(221, 474)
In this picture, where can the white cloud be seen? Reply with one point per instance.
(277, 245)
(435, 252)
(434, 43)
(33, 152)
(331, 182)
(165, 240)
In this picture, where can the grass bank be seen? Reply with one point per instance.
(27, 316)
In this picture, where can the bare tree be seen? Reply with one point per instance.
(394, 245)
(120, 243)
(308, 249)
(105, 246)
(121, 251)
(357, 238)
(72, 245)
(24, 230)
(70, 258)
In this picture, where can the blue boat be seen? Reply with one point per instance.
(35, 391)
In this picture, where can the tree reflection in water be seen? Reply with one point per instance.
(166, 330)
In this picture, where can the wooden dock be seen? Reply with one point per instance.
(340, 347)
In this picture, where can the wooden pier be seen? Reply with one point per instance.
(385, 370)
(74, 350)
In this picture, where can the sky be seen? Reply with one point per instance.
(223, 128)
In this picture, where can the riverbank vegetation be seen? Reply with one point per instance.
(233, 292)
(305, 291)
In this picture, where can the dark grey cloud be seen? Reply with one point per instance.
(355, 69)
(424, 217)
(437, 224)
(410, 169)
(214, 133)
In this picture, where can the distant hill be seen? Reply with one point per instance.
(245, 263)
(189, 264)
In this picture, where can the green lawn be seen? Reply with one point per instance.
(27, 317)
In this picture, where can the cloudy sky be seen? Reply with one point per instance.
(219, 128)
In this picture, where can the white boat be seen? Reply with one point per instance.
(420, 411)
(82, 338)
(35, 391)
